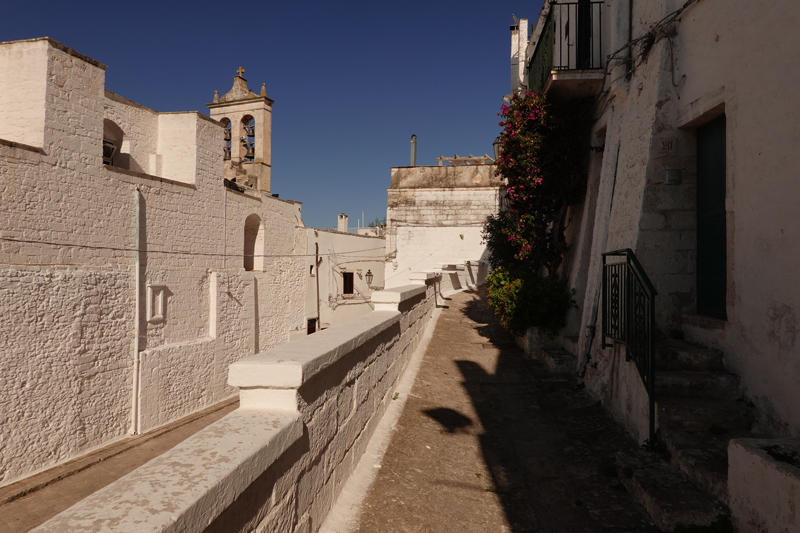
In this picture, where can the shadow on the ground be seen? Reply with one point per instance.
(549, 447)
(450, 419)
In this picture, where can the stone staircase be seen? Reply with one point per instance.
(699, 409)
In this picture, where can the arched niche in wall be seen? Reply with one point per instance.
(113, 137)
(248, 139)
(227, 138)
(253, 243)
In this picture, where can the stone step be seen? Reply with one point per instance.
(559, 360)
(704, 416)
(666, 493)
(570, 344)
(701, 457)
(683, 355)
(719, 385)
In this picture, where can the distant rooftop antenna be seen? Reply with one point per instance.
(413, 150)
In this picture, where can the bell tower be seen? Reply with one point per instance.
(248, 133)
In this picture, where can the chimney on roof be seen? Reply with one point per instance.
(342, 226)
(519, 47)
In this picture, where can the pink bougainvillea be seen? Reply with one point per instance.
(543, 160)
(543, 151)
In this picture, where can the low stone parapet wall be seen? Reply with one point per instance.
(462, 275)
(307, 411)
(764, 484)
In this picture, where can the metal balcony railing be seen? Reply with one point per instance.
(571, 39)
(629, 317)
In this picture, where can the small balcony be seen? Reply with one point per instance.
(568, 60)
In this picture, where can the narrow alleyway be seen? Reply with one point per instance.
(491, 442)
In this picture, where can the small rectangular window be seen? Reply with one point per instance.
(109, 149)
(347, 283)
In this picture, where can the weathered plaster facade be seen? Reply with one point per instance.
(92, 347)
(435, 216)
(705, 65)
(339, 255)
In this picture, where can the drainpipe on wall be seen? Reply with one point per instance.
(135, 401)
(317, 261)
(630, 38)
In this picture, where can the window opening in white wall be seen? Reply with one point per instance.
(109, 149)
(347, 283)
(253, 243)
(113, 137)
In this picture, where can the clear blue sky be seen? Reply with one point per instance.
(351, 80)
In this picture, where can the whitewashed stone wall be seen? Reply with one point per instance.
(308, 410)
(435, 216)
(341, 252)
(67, 266)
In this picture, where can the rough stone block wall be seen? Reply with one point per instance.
(430, 226)
(341, 409)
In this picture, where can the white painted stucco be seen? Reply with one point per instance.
(308, 410)
(338, 253)
(72, 379)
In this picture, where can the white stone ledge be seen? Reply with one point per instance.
(290, 365)
(422, 276)
(190, 485)
(396, 295)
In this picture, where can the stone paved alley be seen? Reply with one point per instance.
(490, 442)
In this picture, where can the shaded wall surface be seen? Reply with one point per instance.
(706, 65)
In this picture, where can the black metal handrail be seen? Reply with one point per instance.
(571, 39)
(629, 316)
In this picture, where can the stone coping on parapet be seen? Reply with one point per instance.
(121, 99)
(143, 175)
(447, 189)
(62, 47)
(290, 365)
(446, 176)
(328, 230)
(21, 146)
(186, 488)
(764, 483)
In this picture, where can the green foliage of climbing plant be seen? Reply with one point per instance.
(529, 300)
(543, 160)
